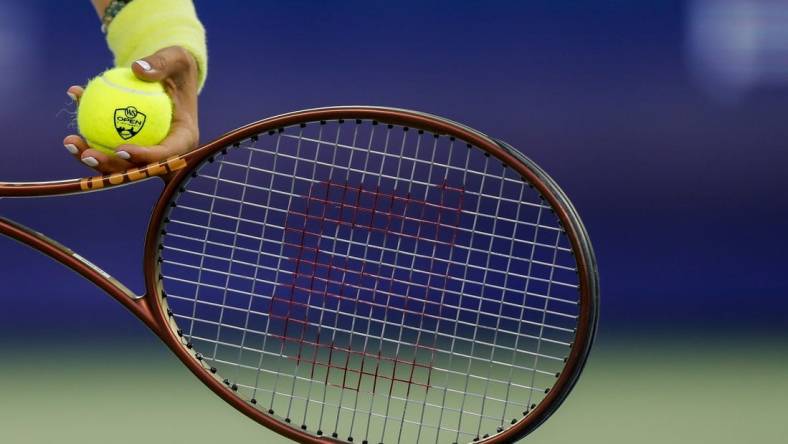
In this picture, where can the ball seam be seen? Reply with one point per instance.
(131, 90)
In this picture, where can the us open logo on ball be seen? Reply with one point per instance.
(128, 122)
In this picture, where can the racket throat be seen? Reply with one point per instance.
(37, 241)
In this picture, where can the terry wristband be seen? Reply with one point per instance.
(143, 27)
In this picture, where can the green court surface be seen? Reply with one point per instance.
(642, 391)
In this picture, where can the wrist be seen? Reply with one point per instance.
(147, 26)
(110, 11)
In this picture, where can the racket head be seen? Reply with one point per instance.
(305, 353)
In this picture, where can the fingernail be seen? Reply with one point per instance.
(72, 95)
(123, 155)
(143, 64)
(71, 148)
(90, 161)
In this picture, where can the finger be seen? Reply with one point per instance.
(75, 145)
(75, 93)
(103, 163)
(162, 64)
(179, 141)
(144, 155)
(141, 155)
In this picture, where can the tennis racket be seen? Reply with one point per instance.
(361, 274)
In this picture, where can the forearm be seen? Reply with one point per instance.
(101, 6)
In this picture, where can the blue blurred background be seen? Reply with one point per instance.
(664, 121)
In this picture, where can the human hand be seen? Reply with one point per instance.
(177, 71)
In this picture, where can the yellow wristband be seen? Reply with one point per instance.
(145, 26)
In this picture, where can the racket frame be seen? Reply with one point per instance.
(174, 171)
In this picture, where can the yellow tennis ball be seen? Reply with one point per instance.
(118, 108)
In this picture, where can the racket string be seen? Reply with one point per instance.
(392, 250)
(252, 204)
(370, 304)
(463, 310)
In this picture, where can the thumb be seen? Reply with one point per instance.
(153, 68)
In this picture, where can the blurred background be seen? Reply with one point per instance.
(664, 121)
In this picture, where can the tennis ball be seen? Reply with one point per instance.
(117, 108)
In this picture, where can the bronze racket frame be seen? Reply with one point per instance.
(151, 311)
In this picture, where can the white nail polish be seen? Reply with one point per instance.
(71, 148)
(90, 161)
(143, 64)
(72, 96)
(123, 155)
